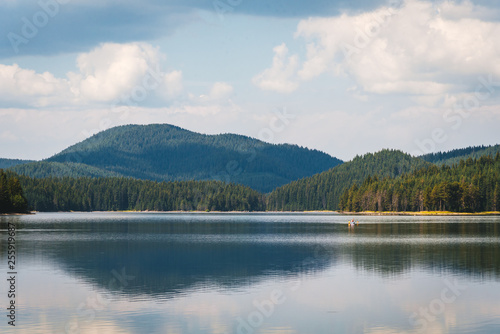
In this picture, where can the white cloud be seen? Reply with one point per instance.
(281, 76)
(466, 8)
(108, 73)
(173, 83)
(112, 69)
(40, 133)
(219, 93)
(27, 86)
(422, 48)
(8, 136)
(220, 90)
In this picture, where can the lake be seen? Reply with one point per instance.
(251, 273)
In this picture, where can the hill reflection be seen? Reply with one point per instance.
(173, 257)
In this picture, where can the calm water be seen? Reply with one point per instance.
(252, 273)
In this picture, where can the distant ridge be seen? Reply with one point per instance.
(42, 169)
(164, 152)
(323, 191)
(297, 178)
(7, 163)
(454, 156)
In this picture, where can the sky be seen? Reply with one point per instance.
(343, 77)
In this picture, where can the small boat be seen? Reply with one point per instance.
(352, 223)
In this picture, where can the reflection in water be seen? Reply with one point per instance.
(206, 273)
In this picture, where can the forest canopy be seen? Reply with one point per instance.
(385, 181)
(472, 185)
(12, 199)
(121, 194)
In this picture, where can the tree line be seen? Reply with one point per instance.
(323, 191)
(386, 181)
(121, 194)
(472, 185)
(454, 156)
(12, 199)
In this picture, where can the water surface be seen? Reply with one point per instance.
(252, 273)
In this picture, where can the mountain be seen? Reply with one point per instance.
(454, 156)
(7, 163)
(163, 152)
(322, 191)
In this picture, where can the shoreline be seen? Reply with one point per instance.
(340, 213)
(421, 213)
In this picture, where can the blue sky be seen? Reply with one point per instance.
(344, 77)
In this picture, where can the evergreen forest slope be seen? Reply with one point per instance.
(163, 152)
(322, 191)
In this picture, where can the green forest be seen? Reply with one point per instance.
(388, 180)
(472, 185)
(454, 156)
(322, 191)
(121, 194)
(163, 152)
(12, 199)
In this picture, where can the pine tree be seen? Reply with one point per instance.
(496, 196)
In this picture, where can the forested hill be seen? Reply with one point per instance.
(323, 191)
(472, 185)
(163, 152)
(454, 156)
(43, 169)
(7, 163)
